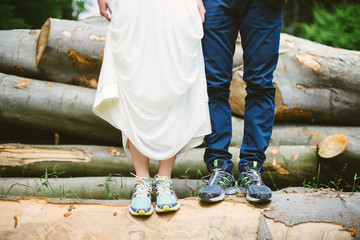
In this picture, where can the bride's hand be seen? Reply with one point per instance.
(103, 7)
(201, 9)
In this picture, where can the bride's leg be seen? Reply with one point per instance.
(166, 166)
(141, 203)
(166, 199)
(140, 161)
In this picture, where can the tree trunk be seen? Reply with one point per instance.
(53, 107)
(294, 134)
(303, 214)
(315, 83)
(283, 134)
(340, 155)
(17, 53)
(285, 165)
(289, 165)
(10, 133)
(71, 51)
(110, 187)
(103, 161)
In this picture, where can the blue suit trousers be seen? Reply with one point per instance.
(259, 23)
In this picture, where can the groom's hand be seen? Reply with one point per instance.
(103, 7)
(201, 9)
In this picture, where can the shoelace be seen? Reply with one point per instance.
(214, 177)
(164, 186)
(142, 187)
(256, 176)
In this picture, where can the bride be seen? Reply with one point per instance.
(152, 87)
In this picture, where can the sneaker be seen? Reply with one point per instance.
(166, 200)
(219, 183)
(141, 199)
(250, 183)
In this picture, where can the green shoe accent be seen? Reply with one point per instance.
(218, 184)
(251, 184)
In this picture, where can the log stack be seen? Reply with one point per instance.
(314, 215)
(47, 88)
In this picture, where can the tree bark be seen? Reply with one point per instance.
(77, 46)
(71, 51)
(285, 165)
(17, 53)
(283, 134)
(10, 133)
(302, 214)
(294, 134)
(110, 187)
(315, 83)
(54, 107)
(103, 161)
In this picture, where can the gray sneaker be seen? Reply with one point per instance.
(250, 183)
(219, 183)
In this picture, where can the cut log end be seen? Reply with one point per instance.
(42, 41)
(15, 155)
(333, 145)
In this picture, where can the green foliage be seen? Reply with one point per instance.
(111, 194)
(33, 13)
(44, 187)
(272, 180)
(8, 20)
(337, 28)
(314, 183)
(355, 187)
(338, 183)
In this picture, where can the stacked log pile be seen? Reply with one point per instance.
(47, 88)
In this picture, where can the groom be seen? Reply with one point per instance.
(259, 23)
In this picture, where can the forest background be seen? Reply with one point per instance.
(331, 22)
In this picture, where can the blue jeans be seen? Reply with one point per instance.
(259, 23)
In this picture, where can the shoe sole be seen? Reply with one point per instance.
(256, 200)
(166, 208)
(228, 191)
(242, 190)
(141, 212)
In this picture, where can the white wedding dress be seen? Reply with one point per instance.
(152, 83)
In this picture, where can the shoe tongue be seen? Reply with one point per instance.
(253, 166)
(219, 165)
(164, 179)
(145, 179)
